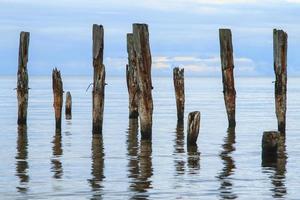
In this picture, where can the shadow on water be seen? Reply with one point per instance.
(21, 159)
(140, 162)
(275, 167)
(57, 153)
(97, 170)
(179, 149)
(224, 176)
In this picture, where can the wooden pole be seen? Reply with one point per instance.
(178, 79)
(143, 63)
(270, 140)
(280, 68)
(22, 84)
(193, 126)
(68, 107)
(99, 78)
(226, 51)
(131, 77)
(57, 86)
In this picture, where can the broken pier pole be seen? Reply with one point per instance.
(68, 106)
(270, 143)
(193, 126)
(131, 77)
(99, 78)
(178, 79)
(143, 63)
(226, 51)
(57, 86)
(22, 83)
(280, 69)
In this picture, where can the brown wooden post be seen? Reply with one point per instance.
(193, 126)
(143, 63)
(68, 107)
(270, 143)
(22, 84)
(280, 68)
(57, 86)
(178, 79)
(131, 77)
(99, 78)
(226, 51)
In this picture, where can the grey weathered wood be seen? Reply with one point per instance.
(68, 106)
(178, 79)
(226, 51)
(131, 77)
(99, 78)
(270, 140)
(57, 86)
(193, 126)
(280, 68)
(22, 84)
(143, 63)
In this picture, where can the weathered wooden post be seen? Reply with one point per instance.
(270, 140)
(99, 78)
(280, 68)
(193, 126)
(226, 51)
(143, 63)
(131, 77)
(57, 86)
(178, 79)
(68, 109)
(22, 84)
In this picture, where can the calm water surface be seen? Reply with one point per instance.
(37, 163)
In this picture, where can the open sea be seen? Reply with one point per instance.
(37, 163)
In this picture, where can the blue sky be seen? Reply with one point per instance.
(182, 33)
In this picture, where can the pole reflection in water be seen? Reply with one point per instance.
(97, 170)
(193, 159)
(179, 149)
(21, 159)
(229, 166)
(57, 153)
(140, 162)
(276, 168)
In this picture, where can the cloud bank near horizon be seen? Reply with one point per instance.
(182, 33)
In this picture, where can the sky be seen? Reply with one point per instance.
(182, 33)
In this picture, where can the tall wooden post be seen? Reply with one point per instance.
(193, 126)
(178, 79)
(280, 68)
(22, 84)
(226, 51)
(57, 86)
(143, 63)
(131, 77)
(99, 78)
(68, 107)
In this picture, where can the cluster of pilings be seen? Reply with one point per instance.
(139, 84)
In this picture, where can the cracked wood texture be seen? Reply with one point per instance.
(280, 68)
(57, 86)
(68, 107)
(131, 77)
(226, 51)
(22, 83)
(178, 79)
(193, 126)
(143, 64)
(99, 78)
